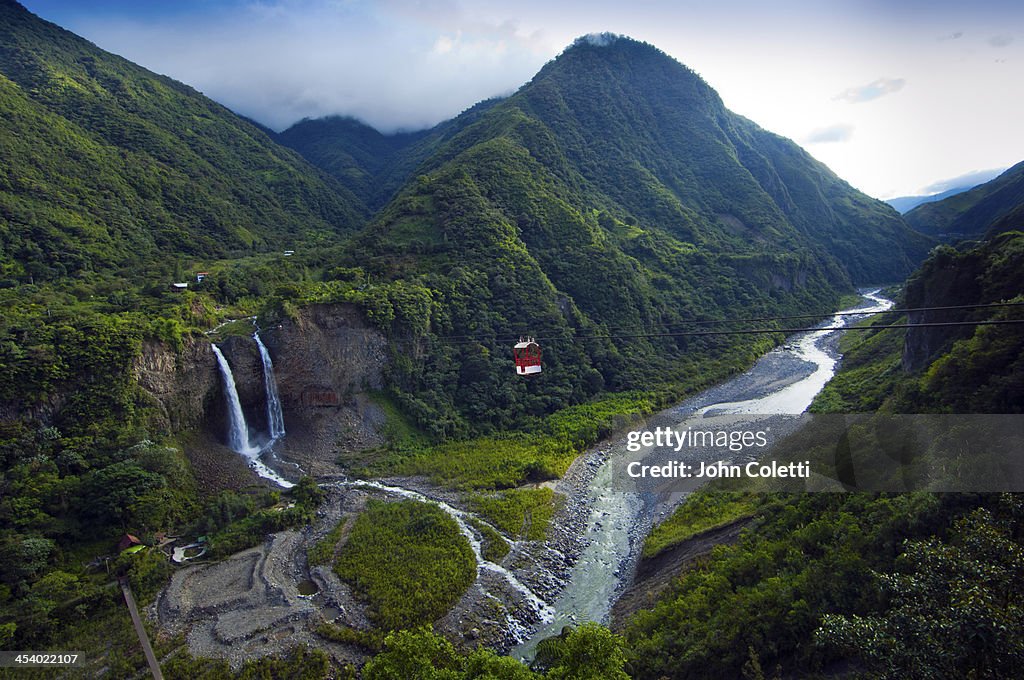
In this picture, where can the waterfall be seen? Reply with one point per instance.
(275, 417)
(238, 431)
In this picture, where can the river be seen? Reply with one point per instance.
(784, 381)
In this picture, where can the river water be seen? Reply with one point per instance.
(782, 382)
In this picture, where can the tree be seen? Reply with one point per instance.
(956, 608)
(416, 654)
(590, 652)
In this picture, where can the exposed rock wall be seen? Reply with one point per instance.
(326, 360)
(184, 384)
(945, 280)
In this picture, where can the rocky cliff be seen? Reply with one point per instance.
(183, 384)
(326, 359)
(948, 279)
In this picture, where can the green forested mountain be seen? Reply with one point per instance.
(372, 165)
(353, 152)
(624, 126)
(613, 194)
(106, 164)
(973, 213)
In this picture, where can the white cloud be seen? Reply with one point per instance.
(873, 90)
(395, 65)
(968, 179)
(411, 63)
(841, 132)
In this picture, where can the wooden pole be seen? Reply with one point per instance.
(140, 630)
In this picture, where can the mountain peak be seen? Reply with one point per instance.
(632, 64)
(600, 39)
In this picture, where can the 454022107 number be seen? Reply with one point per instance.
(40, 659)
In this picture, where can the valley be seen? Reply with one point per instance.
(575, 574)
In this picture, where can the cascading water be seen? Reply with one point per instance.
(275, 416)
(238, 430)
(541, 611)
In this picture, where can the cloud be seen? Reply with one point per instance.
(598, 39)
(840, 132)
(394, 64)
(968, 179)
(951, 36)
(998, 41)
(874, 90)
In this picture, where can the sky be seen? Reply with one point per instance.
(898, 98)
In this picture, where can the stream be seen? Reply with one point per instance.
(782, 382)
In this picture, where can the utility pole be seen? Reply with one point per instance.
(140, 630)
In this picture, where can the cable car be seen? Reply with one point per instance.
(527, 356)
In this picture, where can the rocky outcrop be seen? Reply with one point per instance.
(326, 360)
(183, 384)
(948, 279)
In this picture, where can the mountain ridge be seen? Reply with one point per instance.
(769, 171)
(108, 164)
(613, 190)
(973, 213)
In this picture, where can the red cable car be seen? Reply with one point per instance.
(527, 355)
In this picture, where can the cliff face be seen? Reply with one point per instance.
(947, 279)
(184, 385)
(326, 360)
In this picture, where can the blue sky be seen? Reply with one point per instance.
(896, 97)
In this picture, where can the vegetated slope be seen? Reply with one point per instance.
(972, 213)
(613, 194)
(351, 151)
(905, 204)
(896, 585)
(371, 164)
(647, 134)
(106, 164)
(642, 128)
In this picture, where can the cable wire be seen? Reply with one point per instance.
(550, 337)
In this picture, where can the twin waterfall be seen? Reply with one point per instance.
(239, 437)
(275, 417)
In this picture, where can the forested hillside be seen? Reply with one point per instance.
(109, 166)
(613, 194)
(373, 165)
(973, 213)
(892, 585)
(609, 204)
